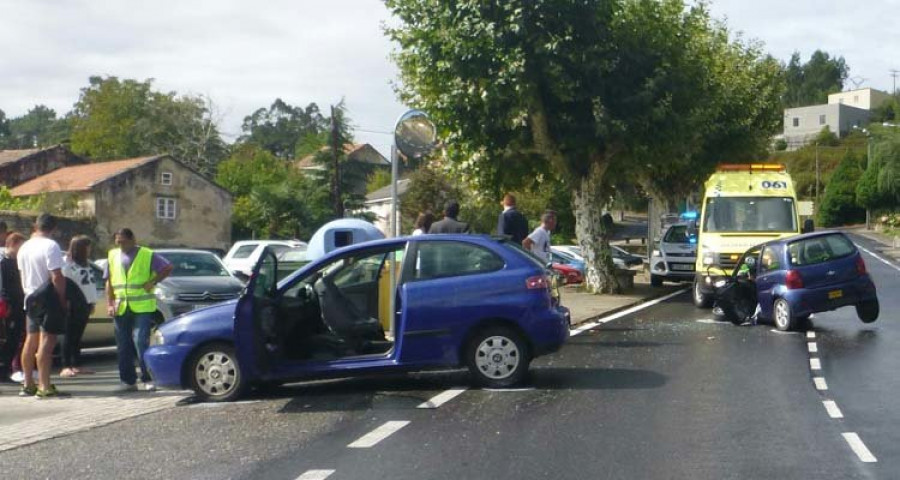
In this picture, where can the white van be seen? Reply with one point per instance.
(244, 254)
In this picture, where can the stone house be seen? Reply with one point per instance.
(362, 153)
(20, 166)
(163, 201)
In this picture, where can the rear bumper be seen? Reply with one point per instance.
(806, 301)
(550, 332)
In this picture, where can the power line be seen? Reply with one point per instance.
(894, 75)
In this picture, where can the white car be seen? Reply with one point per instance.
(621, 257)
(675, 257)
(244, 254)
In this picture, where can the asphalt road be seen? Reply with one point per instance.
(664, 393)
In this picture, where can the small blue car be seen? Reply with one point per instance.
(459, 300)
(797, 276)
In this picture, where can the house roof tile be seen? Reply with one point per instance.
(9, 156)
(79, 178)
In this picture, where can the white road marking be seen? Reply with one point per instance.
(507, 390)
(583, 328)
(820, 382)
(813, 348)
(832, 408)
(372, 438)
(712, 322)
(815, 364)
(859, 448)
(779, 332)
(315, 475)
(810, 334)
(879, 258)
(442, 398)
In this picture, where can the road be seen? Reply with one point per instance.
(661, 393)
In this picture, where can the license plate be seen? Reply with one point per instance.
(835, 294)
(683, 267)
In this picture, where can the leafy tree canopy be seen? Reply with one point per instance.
(525, 89)
(810, 83)
(839, 205)
(38, 128)
(282, 128)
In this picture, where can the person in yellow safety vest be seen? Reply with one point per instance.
(131, 276)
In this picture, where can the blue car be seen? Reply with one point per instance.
(460, 300)
(797, 276)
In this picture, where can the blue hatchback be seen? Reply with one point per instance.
(460, 300)
(805, 274)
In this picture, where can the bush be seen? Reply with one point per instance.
(839, 205)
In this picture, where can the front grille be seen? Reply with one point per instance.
(674, 254)
(206, 297)
(726, 261)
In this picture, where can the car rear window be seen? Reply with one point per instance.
(812, 251)
(244, 251)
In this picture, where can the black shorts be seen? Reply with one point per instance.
(45, 314)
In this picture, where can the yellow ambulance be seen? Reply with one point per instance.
(743, 206)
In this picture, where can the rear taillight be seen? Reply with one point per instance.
(793, 280)
(860, 265)
(537, 282)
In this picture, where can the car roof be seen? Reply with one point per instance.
(803, 236)
(182, 250)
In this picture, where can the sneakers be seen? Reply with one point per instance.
(28, 391)
(17, 377)
(126, 387)
(51, 392)
(149, 387)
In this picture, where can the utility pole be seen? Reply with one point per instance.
(894, 75)
(817, 178)
(336, 174)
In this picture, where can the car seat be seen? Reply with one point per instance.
(343, 319)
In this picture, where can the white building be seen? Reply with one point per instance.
(864, 98)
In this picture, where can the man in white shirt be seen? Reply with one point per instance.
(40, 263)
(538, 242)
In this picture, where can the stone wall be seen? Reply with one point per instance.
(23, 222)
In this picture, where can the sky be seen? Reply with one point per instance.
(244, 55)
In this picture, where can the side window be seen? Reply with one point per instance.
(769, 260)
(445, 259)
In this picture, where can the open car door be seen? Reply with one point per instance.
(255, 317)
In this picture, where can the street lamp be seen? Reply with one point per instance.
(414, 137)
(868, 135)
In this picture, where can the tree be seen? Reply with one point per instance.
(126, 118)
(282, 127)
(839, 205)
(39, 127)
(811, 82)
(527, 89)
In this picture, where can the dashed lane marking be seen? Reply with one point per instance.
(810, 334)
(820, 382)
(815, 364)
(372, 438)
(637, 308)
(859, 448)
(832, 409)
(315, 475)
(442, 398)
(879, 258)
(813, 348)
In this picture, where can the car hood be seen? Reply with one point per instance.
(218, 317)
(203, 284)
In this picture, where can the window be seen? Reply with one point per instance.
(677, 234)
(769, 259)
(820, 249)
(750, 214)
(445, 259)
(821, 119)
(796, 121)
(165, 178)
(856, 99)
(165, 208)
(244, 251)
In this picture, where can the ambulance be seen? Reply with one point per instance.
(743, 206)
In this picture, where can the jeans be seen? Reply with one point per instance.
(132, 340)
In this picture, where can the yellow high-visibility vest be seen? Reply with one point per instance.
(129, 286)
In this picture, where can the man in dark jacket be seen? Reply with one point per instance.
(511, 222)
(449, 224)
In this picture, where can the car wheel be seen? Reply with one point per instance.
(701, 300)
(656, 280)
(498, 357)
(868, 311)
(215, 374)
(784, 319)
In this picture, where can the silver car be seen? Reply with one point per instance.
(675, 256)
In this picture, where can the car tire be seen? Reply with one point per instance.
(497, 357)
(783, 317)
(868, 311)
(215, 375)
(701, 300)
(656, 280)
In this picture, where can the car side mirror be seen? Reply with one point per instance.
(808, 226)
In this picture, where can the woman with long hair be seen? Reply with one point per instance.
(78, 269)
(423, 222)
(14, 297)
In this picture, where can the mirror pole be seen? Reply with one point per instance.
(395, 170)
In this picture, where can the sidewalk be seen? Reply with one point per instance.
(94, 403)
(889, 246)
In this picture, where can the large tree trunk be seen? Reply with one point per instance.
(593, 234)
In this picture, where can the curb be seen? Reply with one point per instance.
(884, 248)
(621, 308)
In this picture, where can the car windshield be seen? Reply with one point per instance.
(195, 264)
(750, 214)
(677, 234)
